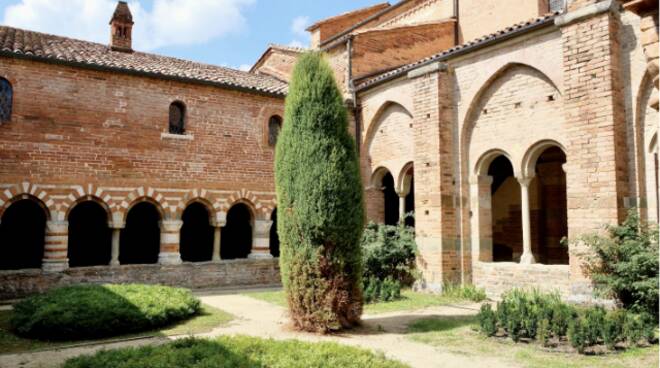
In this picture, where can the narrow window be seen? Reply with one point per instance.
(6, 96)
(274, 127)
(177, 118)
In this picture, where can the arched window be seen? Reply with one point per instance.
(177, 117)
(6, 97)
(274, 127)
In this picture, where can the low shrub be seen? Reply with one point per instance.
(467, 292)
(235, 352)
(377, 290)
(95, 311)
(534, 315)
(389, 252)
(624, 264)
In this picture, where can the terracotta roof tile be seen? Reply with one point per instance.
(18, 42)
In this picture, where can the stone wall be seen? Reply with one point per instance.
(228, 273)
(497, 278)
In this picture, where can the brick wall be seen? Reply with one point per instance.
(382, 49)
(77, 132)
(497, 278)
(481, 17)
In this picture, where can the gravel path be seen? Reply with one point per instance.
(382, 332)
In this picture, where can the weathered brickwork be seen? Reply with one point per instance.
(230, 273)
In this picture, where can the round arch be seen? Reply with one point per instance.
(89, 198)
(154, 202)
(533, 153)
(483, 163)
(404, 180)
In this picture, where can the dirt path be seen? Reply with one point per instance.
(382, 332)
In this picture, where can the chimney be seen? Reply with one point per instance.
(121, 26)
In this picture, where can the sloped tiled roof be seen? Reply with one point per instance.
(482, 41)
(21, 43)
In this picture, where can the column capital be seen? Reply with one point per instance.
(170, 225)
(525, 181)
(262, 228)
(218, 223)
(116, 224)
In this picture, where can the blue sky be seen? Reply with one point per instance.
(223, 32)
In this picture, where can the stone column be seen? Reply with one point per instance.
(56, 247)
(261, 240)
(170, 234)
(217, 234)
(527, 256)
(482, 218)
(116, 235)
(402, 206)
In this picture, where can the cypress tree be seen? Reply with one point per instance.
(319, 194)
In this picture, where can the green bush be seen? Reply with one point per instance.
(531, 314)
(377, 290)
(624, 264)
(487, 320)
(389, 252)
(321, 210)
(235, 352)
(94, 311)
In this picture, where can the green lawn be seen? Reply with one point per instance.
(411, 301)
(207, 320)
(236, 352)
(459, 335)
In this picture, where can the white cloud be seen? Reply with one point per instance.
(168, 23)
(298, 26)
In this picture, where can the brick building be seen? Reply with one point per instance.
(505, 126)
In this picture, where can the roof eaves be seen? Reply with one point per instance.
(270, 92)
(325, 44)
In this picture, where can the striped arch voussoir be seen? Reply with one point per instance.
(25, 190)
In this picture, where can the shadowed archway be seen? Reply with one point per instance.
(237, 234)
(22, 235)
(89, 235)
(196, 234)
(140, 239)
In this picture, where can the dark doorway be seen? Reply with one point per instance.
(22, 235)
(551, 219)
(90, 239)
(410, 203)
(237, 234)
(196, 234)
(505, 207)
(140, 239)
(391, 200)
(274, 240)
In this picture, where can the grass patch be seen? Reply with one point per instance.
(459, 335)
(205, 321)
(410, 300)
(240, 351)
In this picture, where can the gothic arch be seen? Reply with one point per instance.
(492, 89)
(376, 120)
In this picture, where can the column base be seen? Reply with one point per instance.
(260, 255)
(114, 263)
(169, 259)
(51, 266)
(527, 258)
